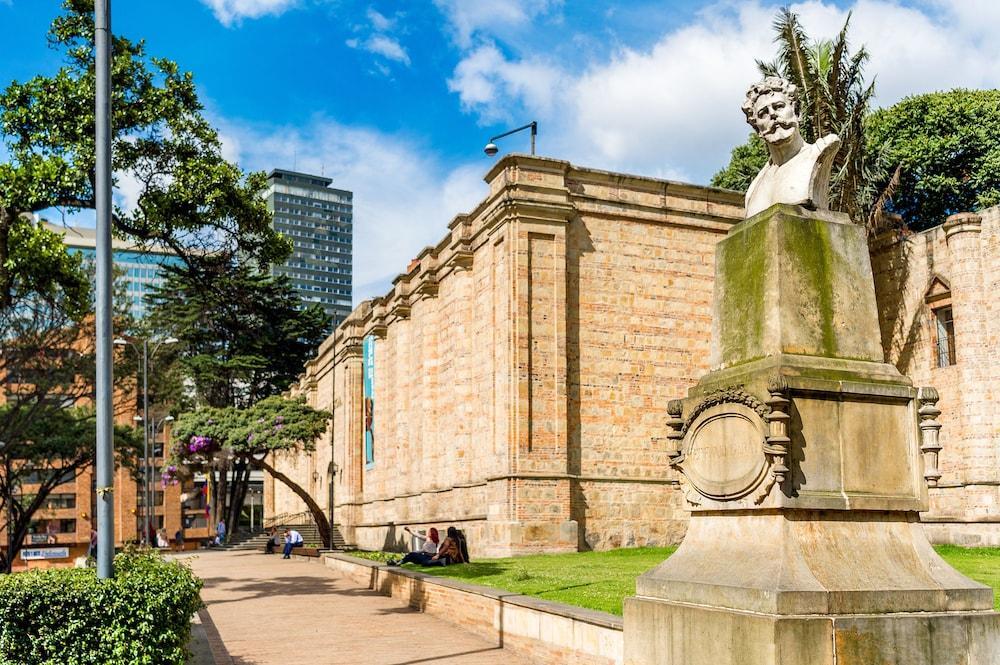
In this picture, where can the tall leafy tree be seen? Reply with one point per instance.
(244, 338)
(190, 198)
(234, 439)
(244, 334)
(46, 368)
(946, 147)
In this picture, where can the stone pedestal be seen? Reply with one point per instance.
(804, 460)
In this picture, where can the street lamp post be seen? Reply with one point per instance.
(145, 355)
(102, 312)
(492, 149)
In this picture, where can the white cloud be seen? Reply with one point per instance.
(484, 79)
(673, 109)
(468, 17)
(233, 11)
(380, 22)
(380, 42)
(382, 45)
(403, 196)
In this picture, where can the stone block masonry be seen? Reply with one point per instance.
(522, 366)
(524, 363)
(939, 301)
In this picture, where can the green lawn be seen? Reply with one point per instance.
(600, 580)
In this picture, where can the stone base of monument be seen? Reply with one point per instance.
(809, 588)
(804, 459)
(679, 634)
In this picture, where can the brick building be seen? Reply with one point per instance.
(939, 296)
(514, 381)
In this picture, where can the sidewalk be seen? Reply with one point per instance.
(266, 610)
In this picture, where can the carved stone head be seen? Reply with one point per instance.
(772, 109)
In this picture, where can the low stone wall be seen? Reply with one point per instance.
(543, 631)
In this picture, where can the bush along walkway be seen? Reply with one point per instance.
(141, 616)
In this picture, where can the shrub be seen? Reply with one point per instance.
(68, 617)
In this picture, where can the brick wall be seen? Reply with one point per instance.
(524, 363)
(523, 366)
(954, 265)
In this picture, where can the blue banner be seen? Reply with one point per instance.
(368, 368)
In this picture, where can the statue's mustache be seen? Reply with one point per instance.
(780, 125)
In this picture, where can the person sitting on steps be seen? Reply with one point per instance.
(293, 539)
(272, 540)
(429, 547)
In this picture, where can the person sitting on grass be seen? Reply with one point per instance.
(293, 539)
(450, 551)
(429, 547)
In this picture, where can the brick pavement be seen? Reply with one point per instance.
(265, 610)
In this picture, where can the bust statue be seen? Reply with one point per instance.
(797, 172)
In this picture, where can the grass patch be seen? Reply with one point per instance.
(601, 580)
(980, 563)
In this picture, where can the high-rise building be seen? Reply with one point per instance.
(319, 221)
(141, 269)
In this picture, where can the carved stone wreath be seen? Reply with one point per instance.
(753, 420)
(727, 395)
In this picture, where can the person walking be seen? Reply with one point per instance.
(293, 539)
(92, 549)
(220, 533)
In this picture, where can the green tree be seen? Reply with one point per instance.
(233, 439)
(191, 199)
(946, 146)
(244, 334)
(46, 453)
(46, 365)
(745, 161)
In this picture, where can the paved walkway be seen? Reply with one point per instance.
(269, 611)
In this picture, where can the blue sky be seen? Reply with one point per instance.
(394, 100)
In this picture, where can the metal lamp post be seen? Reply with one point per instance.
(492, 149)
(145, 355)
(102, 343)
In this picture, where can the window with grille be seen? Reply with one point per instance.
(945, 343)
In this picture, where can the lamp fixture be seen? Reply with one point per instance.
(491, 148)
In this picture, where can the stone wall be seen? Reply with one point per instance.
(522, 368)
(523, 365)
(955, 265)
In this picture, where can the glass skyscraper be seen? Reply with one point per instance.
(319, 221)
(139, 269)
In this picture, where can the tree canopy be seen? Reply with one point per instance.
(190, 198)
(244, 337)
(947, 148)
(233, 439)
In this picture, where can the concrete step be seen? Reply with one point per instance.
(309, 532)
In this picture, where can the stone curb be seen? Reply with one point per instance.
(594, 617)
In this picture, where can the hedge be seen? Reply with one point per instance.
(68, 617)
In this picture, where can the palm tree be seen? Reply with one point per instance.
(834, 99)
